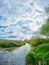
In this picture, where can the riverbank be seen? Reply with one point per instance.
(10, 43)
(39, 54)
(14, 57)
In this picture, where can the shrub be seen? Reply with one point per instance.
(30, 58)
(37, 41)
(47, 58)
(8, 44)
(11, 43)
(40, 53)
(43, 48)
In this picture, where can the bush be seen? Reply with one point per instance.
(40, 53)
(42, 48)
(8, 44)
(11, 43)
(37, 41)
(45, 28)
(47, 58)
(30, 58)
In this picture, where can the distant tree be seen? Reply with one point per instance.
(47, 10)
(45, 27)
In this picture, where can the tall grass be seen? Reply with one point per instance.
(10, 43)
(35, 41)
(40, 53)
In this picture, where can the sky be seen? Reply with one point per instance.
(21, 19)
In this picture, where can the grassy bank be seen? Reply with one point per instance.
(10, 43)
(35, 41)
(39, 54)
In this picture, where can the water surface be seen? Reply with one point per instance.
(15, 57)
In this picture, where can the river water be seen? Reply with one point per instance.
(15, 57)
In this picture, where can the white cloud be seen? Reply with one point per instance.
(16, 14)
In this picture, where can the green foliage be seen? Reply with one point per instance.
(30, 58)
(45, 28)
(9, 43)
(35, 41)
(10, 49)
(40, 53)
(20, 43)
(47, 58)
(43, 47)
(47, 9)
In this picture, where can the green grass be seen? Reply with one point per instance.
(35, 41)
(39, 53)
(10, 49)
(10, 43)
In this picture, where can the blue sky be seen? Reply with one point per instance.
(20, 19)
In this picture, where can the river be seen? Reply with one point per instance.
(15, 57)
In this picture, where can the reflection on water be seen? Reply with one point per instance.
(15, 57)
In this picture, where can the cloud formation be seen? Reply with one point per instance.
(20, 19)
